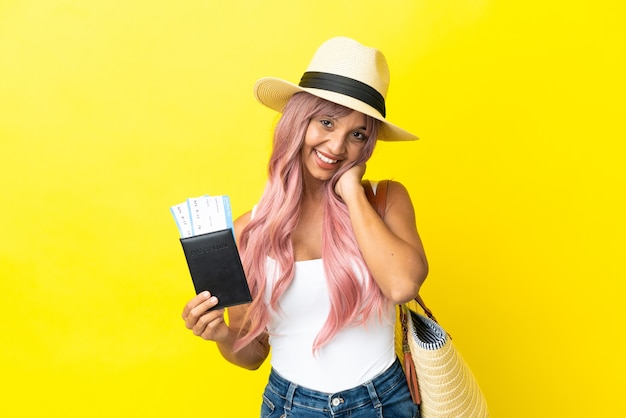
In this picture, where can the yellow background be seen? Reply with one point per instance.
(113, 110)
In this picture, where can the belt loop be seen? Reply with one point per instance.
(291, 391)
(373, 395)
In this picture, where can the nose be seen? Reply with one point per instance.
(336, 143)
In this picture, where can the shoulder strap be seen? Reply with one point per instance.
(379, 199)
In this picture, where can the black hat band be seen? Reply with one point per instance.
(344, 85)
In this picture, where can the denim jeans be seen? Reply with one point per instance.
(387, 395)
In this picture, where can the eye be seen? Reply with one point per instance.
(326, 123)
(359, 135)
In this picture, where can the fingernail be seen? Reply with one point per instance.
(213, 299)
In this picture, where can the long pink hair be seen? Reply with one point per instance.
(353, 293)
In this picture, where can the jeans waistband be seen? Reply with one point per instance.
(371, 390)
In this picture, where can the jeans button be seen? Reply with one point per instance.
(336, 401)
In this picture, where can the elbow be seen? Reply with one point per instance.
(407, 289)
(402, 295)
(253, 367)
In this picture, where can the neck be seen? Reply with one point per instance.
(312, 189)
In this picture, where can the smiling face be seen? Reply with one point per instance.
(332, 142)
(315, 141)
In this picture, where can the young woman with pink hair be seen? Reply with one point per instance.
(326, 272)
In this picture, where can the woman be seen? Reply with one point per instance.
(325, 271)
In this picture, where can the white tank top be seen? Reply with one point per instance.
(355, 355)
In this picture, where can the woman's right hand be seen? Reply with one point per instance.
(206, 324)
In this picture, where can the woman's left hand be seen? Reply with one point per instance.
(350, 180)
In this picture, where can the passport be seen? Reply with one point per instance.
(215, 265)
(205, 225)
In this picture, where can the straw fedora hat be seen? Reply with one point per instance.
(344, 72)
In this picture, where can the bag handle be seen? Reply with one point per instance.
(379, 199)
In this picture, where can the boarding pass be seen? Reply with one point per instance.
(203, 214)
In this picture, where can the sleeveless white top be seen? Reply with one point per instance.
(355, 355)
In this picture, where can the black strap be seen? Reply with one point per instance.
(344, 85)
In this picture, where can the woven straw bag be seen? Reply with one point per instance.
(446, 386)
(440, 380)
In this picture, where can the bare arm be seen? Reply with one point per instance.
(392, 248)
(210, 325)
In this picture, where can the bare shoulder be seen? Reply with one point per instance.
(394, 186)
(400, 214)
(397, 194)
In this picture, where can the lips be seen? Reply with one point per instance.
(325, 159)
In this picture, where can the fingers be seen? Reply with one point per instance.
(199, 319)
(200, 303)
(350, 179)
(209, 325)
(360, 170)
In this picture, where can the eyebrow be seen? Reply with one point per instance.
(335, 118)
(361, 128)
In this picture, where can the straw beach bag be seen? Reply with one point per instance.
(439, 379)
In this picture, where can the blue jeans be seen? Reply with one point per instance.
(387, 395)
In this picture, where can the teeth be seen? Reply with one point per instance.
(326, 160)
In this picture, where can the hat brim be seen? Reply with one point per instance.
(275, 93)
